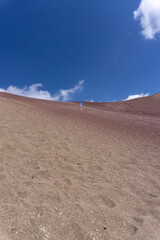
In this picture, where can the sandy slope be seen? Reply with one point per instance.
(72, 175)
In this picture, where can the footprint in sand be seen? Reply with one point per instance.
(152, 195)
(78, 207)
(124, 229)
(68, 181)
(131, 229)
(138, 220)
(107, 201)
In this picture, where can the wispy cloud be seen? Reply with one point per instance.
(90, 100)
(148, 13)
(131, 97)
(34, 91)
(67, 94)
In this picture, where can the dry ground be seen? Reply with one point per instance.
(67, 174)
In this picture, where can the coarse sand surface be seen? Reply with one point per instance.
(67, 174)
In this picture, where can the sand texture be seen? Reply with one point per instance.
(67, 174)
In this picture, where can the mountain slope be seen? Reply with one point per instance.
(74, 175)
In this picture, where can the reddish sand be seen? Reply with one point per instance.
(67, 174)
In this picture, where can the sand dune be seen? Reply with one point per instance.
(67, 174)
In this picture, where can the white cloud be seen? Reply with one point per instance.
(34, 91)
(131, 97)
(66, 94)
(149, 14)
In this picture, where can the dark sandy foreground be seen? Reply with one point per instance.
(72, 175)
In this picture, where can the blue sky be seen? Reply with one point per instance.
(80, 50)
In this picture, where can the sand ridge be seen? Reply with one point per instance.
(74, 175)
